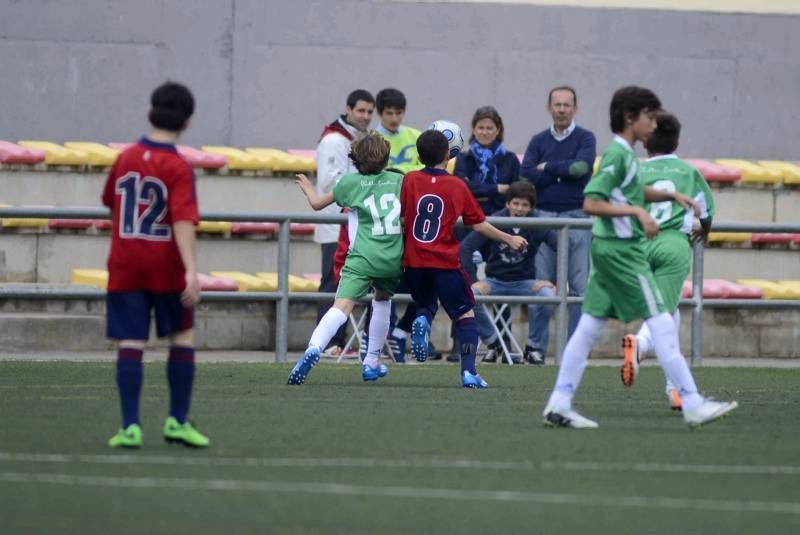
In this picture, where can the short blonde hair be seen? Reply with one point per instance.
(370, 153)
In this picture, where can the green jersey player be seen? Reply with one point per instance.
(376, 251)
(621, 283)
(669, 254)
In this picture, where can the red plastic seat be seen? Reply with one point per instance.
(120, 146)
(102, 224)
(316, 277)
(773, 238)
(796, 239)
(722, 289)
(11, 153)
(199, 158)
(255, 228)
(717, 173)
(301, 229)
(70, 223)
(216, 284)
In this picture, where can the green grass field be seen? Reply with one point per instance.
(414, 454)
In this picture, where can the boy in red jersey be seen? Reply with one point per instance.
(432, 201)
(152, 265)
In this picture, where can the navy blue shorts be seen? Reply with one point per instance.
(450, 286)
(128, 315)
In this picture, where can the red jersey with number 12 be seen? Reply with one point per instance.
(432, 201)
(149, 188)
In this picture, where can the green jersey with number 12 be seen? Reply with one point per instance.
(670, 173)
(376, 240)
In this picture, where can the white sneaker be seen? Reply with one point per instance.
(708, 411)
(568, 418)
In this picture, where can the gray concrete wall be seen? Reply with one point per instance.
(271, 72)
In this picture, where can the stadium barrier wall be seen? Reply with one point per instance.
(283, 297)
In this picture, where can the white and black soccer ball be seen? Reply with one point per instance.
(455, 138)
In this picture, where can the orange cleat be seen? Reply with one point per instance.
(675, 399)
(630, 359)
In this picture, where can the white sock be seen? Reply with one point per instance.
(669, 355)
(399, 333)
(645, 340)
(326, 328)
(676, 317)
(576, 354)
(378, 329)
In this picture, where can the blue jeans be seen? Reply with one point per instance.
(537, 337)
(577, 270)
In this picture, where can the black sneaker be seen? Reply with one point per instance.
(534, 356)
(494, 352)
(433, 353)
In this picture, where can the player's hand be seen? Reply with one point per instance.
(687, 202)
(305, 184)
(648, 223)
(517, 242)
(191, 294)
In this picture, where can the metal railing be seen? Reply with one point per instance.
(282, 297)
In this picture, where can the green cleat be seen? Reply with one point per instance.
(130, 437)
(184, 433)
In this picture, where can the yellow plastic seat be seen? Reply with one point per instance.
(793, 285)
(296, 284)
(283, 161)
(240, 160)
(451, 166)
(752, 173)
(246, 282)
(99, 155)
(89, 277)
(791, 171)
(55, 154)
(24, 222)
(772, 290)
(214, 227)
(730, 237)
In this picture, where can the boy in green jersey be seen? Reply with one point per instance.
(669, 254)
(621, 283)
(374, 258)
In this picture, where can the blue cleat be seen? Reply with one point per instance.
(473, 381)
(398, 347)
(420, 331)
(362, 346)
(373, 374)
(303, 367)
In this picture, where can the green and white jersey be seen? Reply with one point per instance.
(670, 173)
(617, 182)
(376, 240)
(402, 148)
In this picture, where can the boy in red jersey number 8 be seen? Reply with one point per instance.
(152, 265)
(432, 201)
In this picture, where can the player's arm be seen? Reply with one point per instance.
(602, 208)
(317, 202)
(494, 233)
(656, 195)
(185, 239)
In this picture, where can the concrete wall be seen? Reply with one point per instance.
(271, 72)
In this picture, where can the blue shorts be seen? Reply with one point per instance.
(128, 315)
(450, 286)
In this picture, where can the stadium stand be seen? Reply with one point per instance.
(11, 153)
(753, 173)
(89, 277)
(214, 227)
(791, 171)
(203, 160)
(282, 162)
(772, 290)
(715, 173)
(296, 284)
(730, 237)
(55, 154)
(240, 160)
(722, 289)
(98, 155)
(264, 229)
(246, 282)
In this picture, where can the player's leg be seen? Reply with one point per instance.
(128, 321)
(422, 289)
(538, 337)
(379, 324)
(454, 291)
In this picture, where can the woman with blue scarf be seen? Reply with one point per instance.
(487, 166)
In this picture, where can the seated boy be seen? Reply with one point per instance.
(511, 272)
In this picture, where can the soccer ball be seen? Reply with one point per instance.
(452, 132)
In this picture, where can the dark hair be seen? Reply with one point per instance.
(359, 94)
(370, 153)
(562, 88)
(488, 112)
(521, 189)
(390, 98)
(432, 147)
(171, 106)
(630, 100)
(664, 139)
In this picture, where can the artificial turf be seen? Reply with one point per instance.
(413, 453)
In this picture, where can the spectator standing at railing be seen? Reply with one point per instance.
(333, 162)
(558, 161)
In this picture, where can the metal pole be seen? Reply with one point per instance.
(282, 305)
(697, 308)
(562, 313)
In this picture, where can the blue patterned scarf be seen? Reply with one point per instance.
(487, 158)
